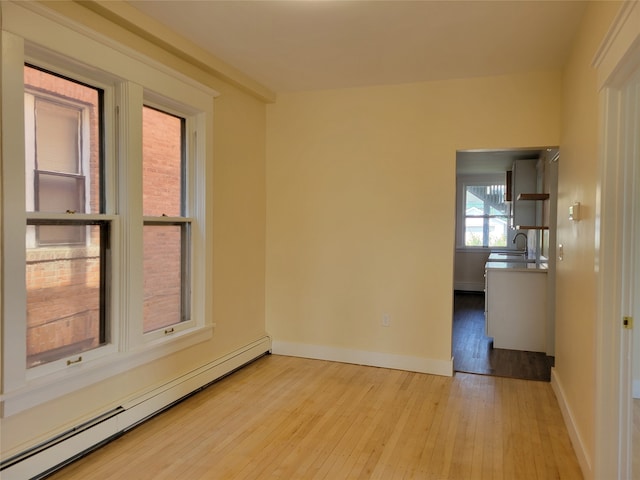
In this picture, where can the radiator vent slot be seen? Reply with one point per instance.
(59, 438)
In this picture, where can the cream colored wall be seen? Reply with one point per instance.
(238, 265)
(361, 204)
(635, 372)
(578, 177)
(636, 339)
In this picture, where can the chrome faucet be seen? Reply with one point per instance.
(526, 239)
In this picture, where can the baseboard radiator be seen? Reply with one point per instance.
(41, 460)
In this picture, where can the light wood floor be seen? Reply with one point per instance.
(291, 418)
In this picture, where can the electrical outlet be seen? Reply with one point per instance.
(386, 320)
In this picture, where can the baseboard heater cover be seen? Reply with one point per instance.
(45, 458)
(52, 442)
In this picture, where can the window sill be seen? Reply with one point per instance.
(40, 390)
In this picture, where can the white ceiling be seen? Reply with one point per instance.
(496, 161)
(296, 45)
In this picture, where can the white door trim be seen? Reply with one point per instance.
(617, 59)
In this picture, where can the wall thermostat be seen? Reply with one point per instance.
(574, 212)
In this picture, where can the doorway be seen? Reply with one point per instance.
(484, 175)
(473, 350)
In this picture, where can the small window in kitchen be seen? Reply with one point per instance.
(486, 215)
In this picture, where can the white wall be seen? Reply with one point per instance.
(469, 270)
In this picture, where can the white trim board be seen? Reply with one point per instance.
(576, 439)
(362, 357)
(617, 59)
(130, 414)
(469, 286)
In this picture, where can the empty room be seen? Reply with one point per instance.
(320, 239)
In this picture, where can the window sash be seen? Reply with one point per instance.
(74, 314)
(164, 162)
(59, 127)
(84, 155)
(179, 268)
(50, 189)
(44, 205)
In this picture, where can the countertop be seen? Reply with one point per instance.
(513, 257)
(518, 266)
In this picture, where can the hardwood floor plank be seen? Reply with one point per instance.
(367, 451)
(292, 418)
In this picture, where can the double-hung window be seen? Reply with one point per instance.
(106, 237)
(166, 235)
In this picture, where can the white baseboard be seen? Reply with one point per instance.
(469, 286)
(636, 389)
(130, 414)
(361, 357)
(574, 434)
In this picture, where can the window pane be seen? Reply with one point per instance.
(64, 296)
(473, 232)
(474, 205)
(62, 135)
(498, 231)
(163, 274)
(59, 193)
(162, 136)
(485, 200)
(60, 235)
(57, 136)
(486, 216)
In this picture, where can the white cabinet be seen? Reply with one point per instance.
(524, 178)
(515, 308)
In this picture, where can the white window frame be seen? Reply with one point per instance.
(192, 120)
(31, 34)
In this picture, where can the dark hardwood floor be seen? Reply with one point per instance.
(473, 352)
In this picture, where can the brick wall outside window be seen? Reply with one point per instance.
(162, 177)
(63, 281)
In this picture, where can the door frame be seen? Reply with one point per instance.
(616, 61)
